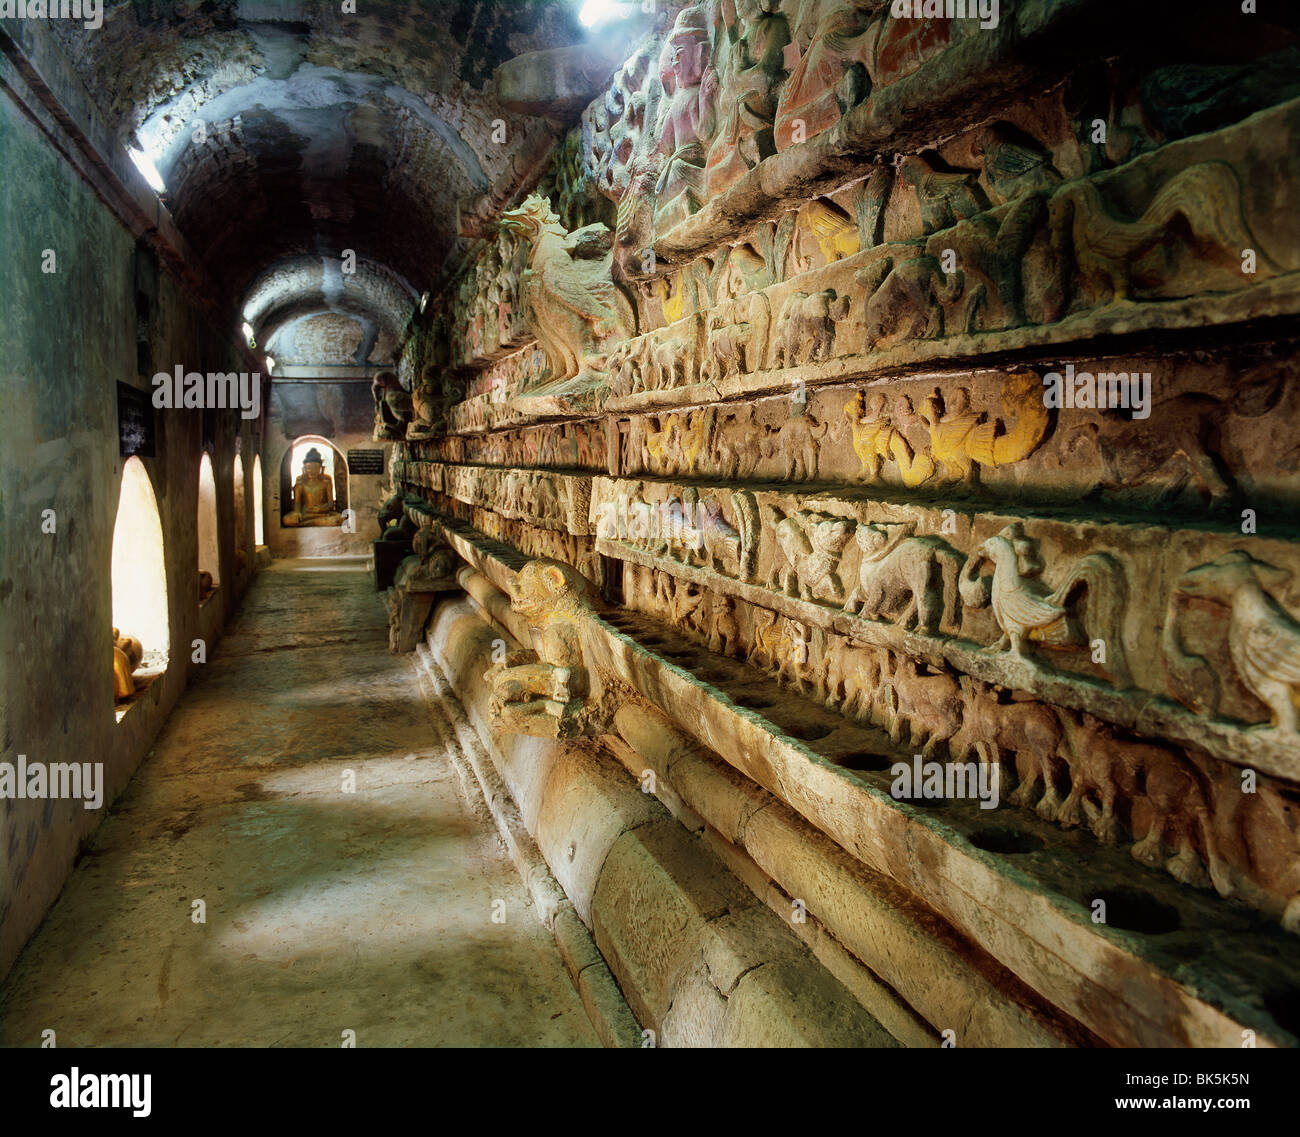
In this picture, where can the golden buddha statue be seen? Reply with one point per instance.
(128, 653)
(313, 496)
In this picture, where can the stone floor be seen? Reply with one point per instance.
(326, 911)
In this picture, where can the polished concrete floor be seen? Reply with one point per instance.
(326, 911)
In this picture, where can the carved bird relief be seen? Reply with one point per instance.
(1263, 639)
(1027, 612)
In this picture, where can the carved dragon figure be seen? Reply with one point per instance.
(573, 306)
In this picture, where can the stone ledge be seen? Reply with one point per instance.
(1042, 935)
(608, 1011)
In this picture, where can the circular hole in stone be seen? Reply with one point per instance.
(713, 675)
(1136, 911)
(807, 731)
(865, 762)
(1004, 839)
(753, 702)
(1284, 1006)
(927, 802)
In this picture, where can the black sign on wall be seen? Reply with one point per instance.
(135, 425)
(365, 461)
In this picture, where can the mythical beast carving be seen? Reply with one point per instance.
(573, 307)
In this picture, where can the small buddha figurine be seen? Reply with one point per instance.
(128, 652)
(313, 496)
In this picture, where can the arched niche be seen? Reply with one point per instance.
(209, 542)
(241, 513)
(139, 575)
(259, 509)
(334, 464)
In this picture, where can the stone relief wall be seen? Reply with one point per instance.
(943, 376)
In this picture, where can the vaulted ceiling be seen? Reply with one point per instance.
(290, 135)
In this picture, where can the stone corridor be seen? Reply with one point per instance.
(326, 911)
(683, 523)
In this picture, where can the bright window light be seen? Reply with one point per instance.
(270, 364)
(247, 329)
(599, 11)
(145, 165)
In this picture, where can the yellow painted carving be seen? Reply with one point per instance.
(835, 231)
(959, 439)
(673, 295)
(694, 438)
(1027, 418)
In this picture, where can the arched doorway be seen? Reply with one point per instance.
(334, 465)
(139, 576)
(259, 511)
(241, 515)
(209, 543)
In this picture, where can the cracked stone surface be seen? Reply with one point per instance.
(325, 911)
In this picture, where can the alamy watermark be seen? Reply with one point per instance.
(938, 781)
(90, 14)
(75, 1090)
(217, 390)
(986, 11)
(1106, 390)
(675, 522)
(59, 780)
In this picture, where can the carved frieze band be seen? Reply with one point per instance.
(538, 497)
(1034, 605)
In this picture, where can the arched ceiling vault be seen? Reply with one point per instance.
(289, 135)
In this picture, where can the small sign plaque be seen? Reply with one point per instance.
(135, 425)
(365, 461)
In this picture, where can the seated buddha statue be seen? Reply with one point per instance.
(313, 496)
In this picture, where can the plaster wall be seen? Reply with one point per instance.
(107, 313)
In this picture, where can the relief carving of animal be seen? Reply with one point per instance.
(667, 363)
(853, 676)
(725, 357)
(808, 550)
(724, 633)
(530, 697)
(1027, 731)
(1106, 255)
(738, 443)
(796, 444)
(1196, 434)
(1263, 639)
(1021, 729)
(906, 300)
(573, 307)
(929, 706)
(781, 645)
(805, 330)
(718, 542)
(1028, 612)
(909, 580)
